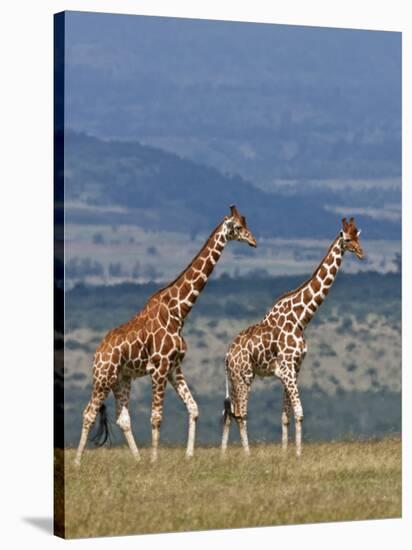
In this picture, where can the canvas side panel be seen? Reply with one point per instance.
(58, 174)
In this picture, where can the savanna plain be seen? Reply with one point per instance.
(335, 481)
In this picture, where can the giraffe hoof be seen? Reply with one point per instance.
(76, 463)
(189, 456)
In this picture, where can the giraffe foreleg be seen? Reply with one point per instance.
(122, 395)
(159, 379)
(286, 412)
(287, 372)
(177, 379)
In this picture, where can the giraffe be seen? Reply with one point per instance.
(151, 344)
(276, 345)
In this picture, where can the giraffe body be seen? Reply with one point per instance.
(276, 345)
(151, 344)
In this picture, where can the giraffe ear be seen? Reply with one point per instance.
(359, 232)
(341, 234)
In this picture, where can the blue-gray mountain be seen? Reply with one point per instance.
(264, 101)
(161, 191)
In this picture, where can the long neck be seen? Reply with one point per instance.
(304, 302)
(185, 289)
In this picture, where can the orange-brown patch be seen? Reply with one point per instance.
(315, 284)
(198, 264)
(215, 255)
(116, 355)
(322, 272)
(307, 296)
(318, 299)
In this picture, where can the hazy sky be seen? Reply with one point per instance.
(251, 98)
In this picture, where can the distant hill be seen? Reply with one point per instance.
(161, 191)
(265, 101)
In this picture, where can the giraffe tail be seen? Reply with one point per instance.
(227, 409)
(102, 433)
(227, 405)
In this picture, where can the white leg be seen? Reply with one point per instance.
(122, 394)
(158, 393)
(82, 445)
(89, 416)
(298, 428)
(225, 436)
(285, 426)
(123, 421)
(287, 372)
(178, 382)
(285, 419)
(155, 443)
(191, 436)
(243, 435)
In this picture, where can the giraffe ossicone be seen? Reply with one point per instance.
(276, 345)
(151, 344)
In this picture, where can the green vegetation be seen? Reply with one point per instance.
(112, 495)
(361, 295)
(350, 381)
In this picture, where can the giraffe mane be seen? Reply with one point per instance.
(299, 288)
(155, 294)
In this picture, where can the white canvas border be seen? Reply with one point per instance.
(27, 247)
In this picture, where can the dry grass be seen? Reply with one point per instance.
(111, 495)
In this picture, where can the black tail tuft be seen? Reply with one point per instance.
(227, 409)
(102, 432)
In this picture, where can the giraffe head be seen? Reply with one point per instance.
(237, 229)
(350, 238)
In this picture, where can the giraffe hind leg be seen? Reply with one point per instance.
(240, 397)
(227, 420)
(122, 395)
(93, 408)
(177, 379)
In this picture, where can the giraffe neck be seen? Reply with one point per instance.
(182, 293)
(304, 302)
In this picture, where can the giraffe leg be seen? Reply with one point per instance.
(241, 422)
(287, 372)
(225, 435)
(158, 392)
(89, 416)
(122, 395)
(286, 411)
(178, 382)
(240, 396)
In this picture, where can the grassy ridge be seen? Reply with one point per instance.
(111, 495)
